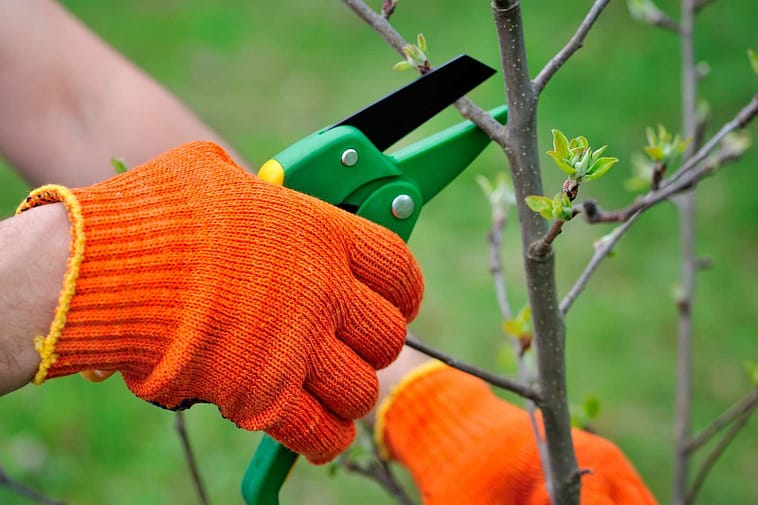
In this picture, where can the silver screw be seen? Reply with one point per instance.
(349, 157)
(403, 206)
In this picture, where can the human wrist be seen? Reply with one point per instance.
(35, 247)
(137, 228)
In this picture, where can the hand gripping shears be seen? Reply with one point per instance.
(344, 165)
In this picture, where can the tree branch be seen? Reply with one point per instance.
(745, 406)
(606, 246)
(685, 299)
(496, 263)
(574, 44)
(742, 119)
(181, 430)
(712, 457)
(692, 171)
(525, 373)
(658, 18)
(379, 471)
(686, 209)
(522, 150)
(465, 106)
(24, 490)
(500, 381)
(631, 213)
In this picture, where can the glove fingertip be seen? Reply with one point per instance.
(309, 429)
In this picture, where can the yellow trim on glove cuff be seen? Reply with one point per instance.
(384, 407)
(45, 345)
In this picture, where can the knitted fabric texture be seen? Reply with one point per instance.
(464, 445)
(199, 282)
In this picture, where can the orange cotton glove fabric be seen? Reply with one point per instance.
(463, 445)
(201, 283)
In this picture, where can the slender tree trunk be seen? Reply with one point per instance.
(522, 151)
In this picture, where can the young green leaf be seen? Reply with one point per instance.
(118, 165)
(541, 205)
(521, 324)
(751, 367)
(562, 164)
(524, 316)
(402, 65)
(655, 152)
(591, 407)
(662, 146)
(600, 167)
(579, 144)
(415, 55)
(583, 164)
(560, 144)
(598, 152)
(576, 158)
(513, 327)
(753, 57)
(562, 207)
(421, 42)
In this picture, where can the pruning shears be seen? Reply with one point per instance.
(344, 164)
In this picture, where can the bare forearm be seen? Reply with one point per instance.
(69, 103)
(34, 249)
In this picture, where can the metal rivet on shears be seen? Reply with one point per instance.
(403, 206)
(349, 157)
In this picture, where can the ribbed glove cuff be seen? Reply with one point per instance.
(437, 417)
(130, 236)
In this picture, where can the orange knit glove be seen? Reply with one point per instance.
(464, 445)
(201, 283)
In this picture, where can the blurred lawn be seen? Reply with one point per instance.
(266, 73)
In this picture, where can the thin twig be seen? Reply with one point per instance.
(713, 456)
(658, 18)
(659, 170)
(693, 169)
(631, 213)
(189, 455)
(573, 45)
(742, 119)
(526, 375)
(601, 252)
(685, 300)
(379, 471)
(25, 491)
(495, 237)
(542, 246)
(465, 106)
(723, 156)
(500, 381)
(746, 405)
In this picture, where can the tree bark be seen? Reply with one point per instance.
(562, 474)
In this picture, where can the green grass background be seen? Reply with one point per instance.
(267, 73)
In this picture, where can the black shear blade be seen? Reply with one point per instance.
(396, 115)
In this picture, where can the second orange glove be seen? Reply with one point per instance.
(466, 446)
(200, 283)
